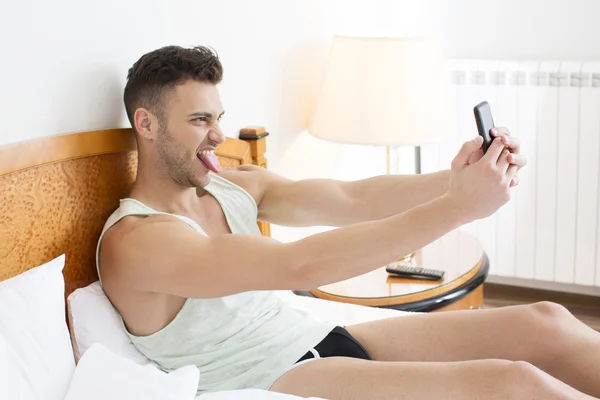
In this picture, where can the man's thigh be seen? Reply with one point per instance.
(341, 378)
(511, 333)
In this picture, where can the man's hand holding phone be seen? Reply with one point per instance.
(513, 144)
(488, 131)
(478, 190)
(485, 168)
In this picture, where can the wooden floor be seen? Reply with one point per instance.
(586, 308)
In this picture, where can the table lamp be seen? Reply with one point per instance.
(384, 92)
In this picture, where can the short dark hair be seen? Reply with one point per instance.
(151, 78)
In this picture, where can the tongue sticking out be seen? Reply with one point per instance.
(211, 161)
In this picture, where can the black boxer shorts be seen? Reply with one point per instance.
(338, 343)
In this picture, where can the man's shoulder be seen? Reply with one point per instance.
(254, 179)
(131, 225)
(121, 242)
(131, 244)
(244, 174)
(249, 177)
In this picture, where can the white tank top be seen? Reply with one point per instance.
(245, 340)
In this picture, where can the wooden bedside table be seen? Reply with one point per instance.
(457, 253)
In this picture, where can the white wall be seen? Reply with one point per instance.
(492, 29)
(519, 29)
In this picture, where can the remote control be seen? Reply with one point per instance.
(408, 271)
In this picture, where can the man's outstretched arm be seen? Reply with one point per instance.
(338, 203)
(331, 202)
(163, 255)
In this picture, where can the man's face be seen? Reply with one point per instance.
(190, 126)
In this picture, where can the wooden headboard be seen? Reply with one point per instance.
(57, 192)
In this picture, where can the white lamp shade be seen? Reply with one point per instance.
(383, 91)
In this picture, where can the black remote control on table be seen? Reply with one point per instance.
(408, 271)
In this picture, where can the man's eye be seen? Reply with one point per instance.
(201, 119)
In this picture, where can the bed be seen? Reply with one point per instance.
(57, 192)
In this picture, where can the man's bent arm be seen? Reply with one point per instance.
(168, 257)
(331, 202)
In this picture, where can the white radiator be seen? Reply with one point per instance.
(549, 231)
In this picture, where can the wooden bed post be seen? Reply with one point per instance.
(255, 135)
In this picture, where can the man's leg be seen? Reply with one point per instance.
(339, 378)
(543, 334)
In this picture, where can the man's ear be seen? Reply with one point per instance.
(146, 123)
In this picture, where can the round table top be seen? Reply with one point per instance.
(457, 253)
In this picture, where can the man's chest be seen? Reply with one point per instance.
(210, 216)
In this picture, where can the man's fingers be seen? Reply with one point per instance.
(513, 143)
(499, 131)
(466, 151)
(515, 181)
(509, 159)
(503, 163)
(494, 151)
(511, 173)
(475, 157)
(517, 159)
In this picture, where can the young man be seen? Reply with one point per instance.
(183, 262)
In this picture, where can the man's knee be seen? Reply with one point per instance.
(521, 378)
(548, 316)
(522, 370)
(549, 309)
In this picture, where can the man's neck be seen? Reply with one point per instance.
(160, 192)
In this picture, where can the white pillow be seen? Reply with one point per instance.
(93, 319)
(101, 374)
(36, 358)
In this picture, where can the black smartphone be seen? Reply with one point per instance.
(485, 122)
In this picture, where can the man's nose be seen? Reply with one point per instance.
(216, 135)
